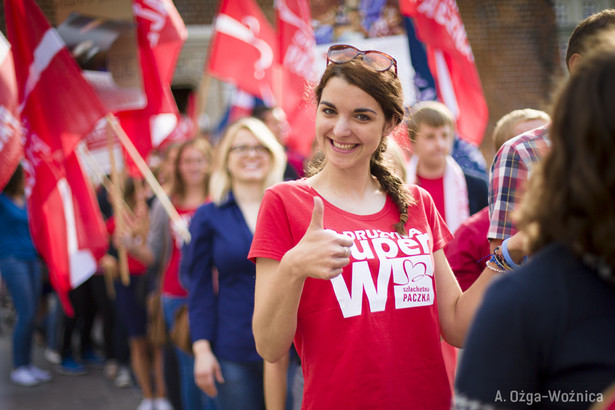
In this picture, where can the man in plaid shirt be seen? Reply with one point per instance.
(514, 161)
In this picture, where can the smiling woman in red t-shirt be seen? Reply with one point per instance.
(359, 279)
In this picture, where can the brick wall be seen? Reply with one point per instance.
(516, 53)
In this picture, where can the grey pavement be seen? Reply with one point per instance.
(90, 391)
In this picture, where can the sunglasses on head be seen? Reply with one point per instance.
(377, 60)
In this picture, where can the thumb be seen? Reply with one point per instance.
(317, 214)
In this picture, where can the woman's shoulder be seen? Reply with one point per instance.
(291, 189)
(419, 195)
(208, 208)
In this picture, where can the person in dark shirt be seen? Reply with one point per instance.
(544, 334)
(250, 159)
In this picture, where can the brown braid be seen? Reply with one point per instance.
(392, 185)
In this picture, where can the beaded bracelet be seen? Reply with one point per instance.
(499, 260)
(494, 260)
(492, 268)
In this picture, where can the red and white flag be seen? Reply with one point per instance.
(296, 44)
(451, 62)
(10, 129)
(243, 49)
(58, 108)
(161, 36)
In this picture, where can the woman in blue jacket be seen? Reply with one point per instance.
(227, 365)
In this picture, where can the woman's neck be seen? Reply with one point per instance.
(430, 172)
(248, 197)
(356, 192)
(247, 193)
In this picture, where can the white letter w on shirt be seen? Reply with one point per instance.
(351, 303)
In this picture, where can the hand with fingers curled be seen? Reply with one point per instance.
(321, 253)
(207, 370)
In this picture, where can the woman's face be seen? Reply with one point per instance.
(349, 124)
(193, 166)
(248, 160)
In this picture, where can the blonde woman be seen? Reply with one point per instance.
(226, 362)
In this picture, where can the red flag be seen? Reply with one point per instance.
(10, 128)
(58, 108)
(165, 31)
(297, 44)
(161, 35)
(243, 48)
(451, 62)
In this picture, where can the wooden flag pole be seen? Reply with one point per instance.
(101, 178)
(116, 202)
(176, 220)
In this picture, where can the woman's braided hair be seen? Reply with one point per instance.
(385, 88)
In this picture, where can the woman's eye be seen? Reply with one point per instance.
(363, 117)
(328, 111)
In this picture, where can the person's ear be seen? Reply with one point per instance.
(388, 128)
(573, 61)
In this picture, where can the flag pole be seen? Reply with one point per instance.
(116, 202)
(176, 220)
(100, 176)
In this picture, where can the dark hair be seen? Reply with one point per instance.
(15, 185)
(593, 24)
(385, 88)
(571, 196)
(260, 112)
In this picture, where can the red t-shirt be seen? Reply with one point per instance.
(369, 338)
(171, 285)
(435, 187)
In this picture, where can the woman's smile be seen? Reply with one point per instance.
(341, 147)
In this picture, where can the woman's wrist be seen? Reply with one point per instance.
(201, 346)
(292, 268)
(512, 250)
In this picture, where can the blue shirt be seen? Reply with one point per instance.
(221, 238)
(15, 238)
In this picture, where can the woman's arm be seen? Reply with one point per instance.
(457, 309)
(276, 388)
(320, 254)
(202, 308)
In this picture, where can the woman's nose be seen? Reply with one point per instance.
(342, 127)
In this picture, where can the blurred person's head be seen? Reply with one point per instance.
(578, 44)
(248, 153)
(571, 198)
(516, 123)
(166, 165)
(274, 118)
(191, 168)
(431, 129)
